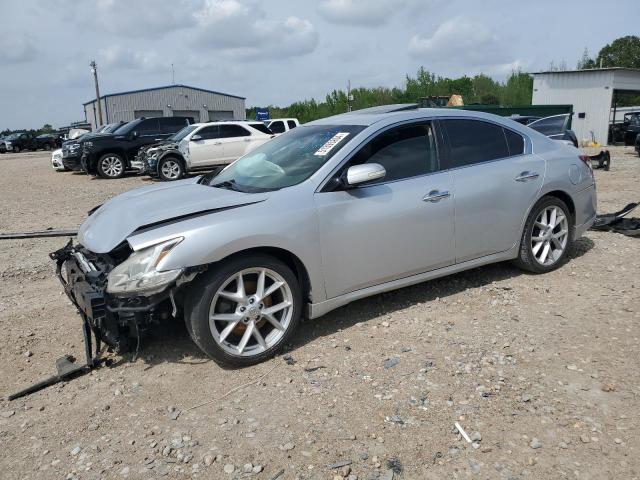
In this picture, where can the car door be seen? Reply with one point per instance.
(205, 147)
(496, 180)
(236, 141)
(399, 226)
(146, 133)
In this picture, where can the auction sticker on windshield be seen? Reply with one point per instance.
(331, 143)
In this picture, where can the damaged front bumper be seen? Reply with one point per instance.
(117, 321)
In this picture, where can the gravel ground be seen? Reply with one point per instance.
(540, 371)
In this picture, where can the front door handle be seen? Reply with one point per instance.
(435, 196)
(526, 176)
(217, 143)
(247, 139)
(158, 139)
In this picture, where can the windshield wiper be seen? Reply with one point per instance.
(228, 184)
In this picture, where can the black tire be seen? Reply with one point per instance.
(173, 164)
(202, 291)
(526, 259)
(47, 147)
(111, 165)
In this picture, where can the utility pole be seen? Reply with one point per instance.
(349, 96)
(173, 75)
(94, 70)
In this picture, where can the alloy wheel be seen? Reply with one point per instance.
(171, 169)
(112, 166)
(251, 311)
(549, 235)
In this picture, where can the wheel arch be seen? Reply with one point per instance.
(176, 155)
(285, 256)
(566, 198)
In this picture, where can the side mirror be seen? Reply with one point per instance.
(134, 134)
(367, 172)
(195, 138)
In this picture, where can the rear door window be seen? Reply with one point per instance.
(291, 124)
(474, 141)
(149, 126)
(404, 152)
(230, 131)
(277, 126)
(172, 124)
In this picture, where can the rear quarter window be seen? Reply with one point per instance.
(515, 142)
(277, 127)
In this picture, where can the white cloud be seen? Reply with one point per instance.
(461, 41)
(356, 12)
(364, 12)
(244, 32)
(116, 57)
(16, 49)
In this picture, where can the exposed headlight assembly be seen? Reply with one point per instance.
(141, 274)
(8, 144)
(87, 145)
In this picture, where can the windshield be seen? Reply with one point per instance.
(13, 136)
(180, 134)
(112, 127)
(286, 160)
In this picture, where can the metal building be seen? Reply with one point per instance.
(171, 100)
(593, 93)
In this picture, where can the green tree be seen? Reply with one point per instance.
(46, 128)
(622, 52)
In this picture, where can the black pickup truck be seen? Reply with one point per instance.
(109, 156)
(19, 141)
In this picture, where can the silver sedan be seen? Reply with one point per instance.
(328, 213)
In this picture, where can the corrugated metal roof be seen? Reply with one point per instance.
(162, 88)
(587, 70)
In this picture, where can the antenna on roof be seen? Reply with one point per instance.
(173, 75)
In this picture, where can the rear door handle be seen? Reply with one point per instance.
(158, 139)
(247, 139)
(526, 176)
(217, 143)
(435, 196)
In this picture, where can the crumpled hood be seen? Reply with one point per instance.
(118, 218)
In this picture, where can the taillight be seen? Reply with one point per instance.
(586, 159)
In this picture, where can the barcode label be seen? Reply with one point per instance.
(332, 142)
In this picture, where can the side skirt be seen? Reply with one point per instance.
(315, 310)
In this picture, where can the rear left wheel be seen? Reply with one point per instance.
(245, 310)
(111, 165)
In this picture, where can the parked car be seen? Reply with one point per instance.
(46, 141)
(282, 125)
(56, 161)
(637, 144)
(19, 141)
(203, 146)
(627, 130)
(333, 211)
(110, 155)
(72, 150)
(556, 127)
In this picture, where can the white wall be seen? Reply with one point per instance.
(588, 92)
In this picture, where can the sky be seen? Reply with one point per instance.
(275, 52)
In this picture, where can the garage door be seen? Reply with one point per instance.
(195, 114)
(147, 113)
(220, 115)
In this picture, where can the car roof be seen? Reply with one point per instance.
(369, 118)
(225, 122)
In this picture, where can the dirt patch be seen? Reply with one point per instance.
(540, 371)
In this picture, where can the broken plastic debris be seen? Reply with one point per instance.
(462, 432)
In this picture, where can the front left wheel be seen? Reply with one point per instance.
(245, 310)
(169, 169)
